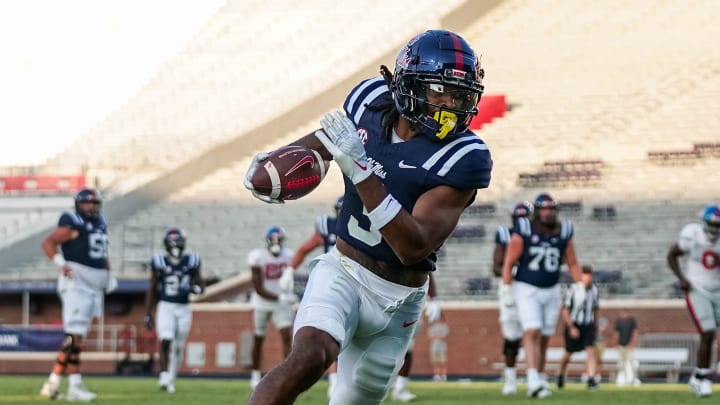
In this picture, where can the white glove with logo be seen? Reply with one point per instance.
(505, 294)
(288, 299)
(112, 284)
(286, 282)
(249, 175)
(579, 294)
(432, 310)
(341, 139)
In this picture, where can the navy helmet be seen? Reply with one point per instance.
(88, 195)
(711, 221)
(544, 200)
(174, 241)
(522, 210)
(442, 62)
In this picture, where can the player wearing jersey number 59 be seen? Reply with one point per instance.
(174, 276)
(410, 167)
(538, 247)
(84, 278)
(701, 283)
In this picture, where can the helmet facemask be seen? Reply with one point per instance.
(275, 240)
(175, 244)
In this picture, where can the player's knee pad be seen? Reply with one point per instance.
(71, 348)
(511, 348)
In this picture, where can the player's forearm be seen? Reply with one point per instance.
(311, 141)
(507, 275)
(49, 248)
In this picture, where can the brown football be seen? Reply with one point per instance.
(289, 173)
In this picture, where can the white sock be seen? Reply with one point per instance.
(54, 378)
(256, 374)
(401, 383)
(332, 377)
(533, 378)
(75, 379)
(510, 373)
(543, 377)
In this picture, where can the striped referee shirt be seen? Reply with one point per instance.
(582, 314)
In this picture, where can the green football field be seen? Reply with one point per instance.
(194, 391)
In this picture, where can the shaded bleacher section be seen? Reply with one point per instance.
(564, 173)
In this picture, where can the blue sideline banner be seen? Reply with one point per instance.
(18, 339)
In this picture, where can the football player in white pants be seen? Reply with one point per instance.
(84, 278)
(538, 247)
(701, 283)
(174, 276)
(270, 301)
(509, 319)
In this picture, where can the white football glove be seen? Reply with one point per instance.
(286, 282)
(505, 295)
(432, 310)
(288, 299)
(341, 139)
(579, 294)
(112, 284)
(249, 175)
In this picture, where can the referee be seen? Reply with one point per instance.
(580, 329)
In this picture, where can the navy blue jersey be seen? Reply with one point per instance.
(325, 226)
(408, 169)
(90, 248)
(542, 255)
(174, 279)
(502, 235)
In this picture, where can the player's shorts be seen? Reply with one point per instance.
(372, 320)
(81, 297)
(173, 321)
(538, 308)
(279, 313)
(704, 309)
(510, 323)
(586, 338)
(438, 351)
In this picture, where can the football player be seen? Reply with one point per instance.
(701, 283)
(269, 301)
(537, 247)
(509, 319)
(411, 166)
(84, 278)
(173, 277)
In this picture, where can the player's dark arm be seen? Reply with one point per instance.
(59, 236)
(498, 257)
(571, 259)
(512, 255)
(197, 282)
(313, 242)
(257, 280)
(312, 142)
(672, 259)
(151, 297)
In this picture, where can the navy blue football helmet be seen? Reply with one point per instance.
(544, 200)
(522, 210)
(433, 64)
(89, 211)
(174, 241)
(275, 239)
(711, 222)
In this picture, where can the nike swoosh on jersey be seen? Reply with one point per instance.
(406, 323)
(364, 167)
(402, 165)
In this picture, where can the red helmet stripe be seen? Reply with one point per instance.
(458, 54)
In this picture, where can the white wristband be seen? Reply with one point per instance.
(385, 212)
(59, 259)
